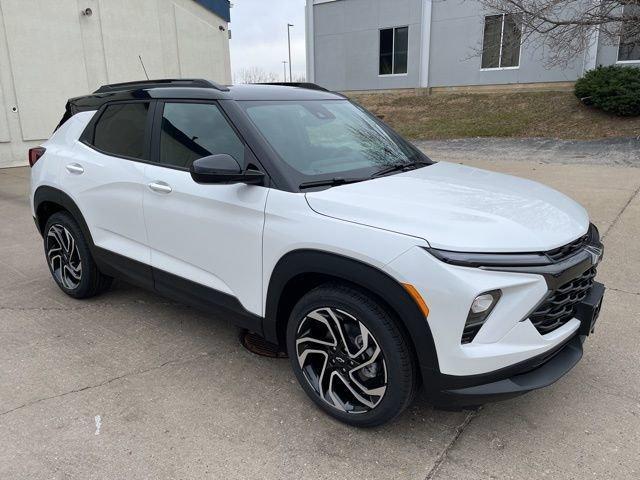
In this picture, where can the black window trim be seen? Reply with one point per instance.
(88, 135)
(152, 134)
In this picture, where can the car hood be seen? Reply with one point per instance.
(460, 208)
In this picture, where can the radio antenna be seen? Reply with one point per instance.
(144, 69)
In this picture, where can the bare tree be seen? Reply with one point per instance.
(566, 28)
(255, 75)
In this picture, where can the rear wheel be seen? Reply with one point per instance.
(69, 258)
(349, 355)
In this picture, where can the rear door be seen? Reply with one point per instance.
(105, 177)
(210, 235)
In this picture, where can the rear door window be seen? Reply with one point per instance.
(121, 130)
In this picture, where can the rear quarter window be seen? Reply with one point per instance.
(121, 130)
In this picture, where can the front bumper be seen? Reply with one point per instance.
(532, 374)
(508, 356)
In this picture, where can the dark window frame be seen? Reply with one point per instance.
(88, 135)
(500, 55)
(393, 51)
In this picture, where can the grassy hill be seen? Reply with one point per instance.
(531, 114)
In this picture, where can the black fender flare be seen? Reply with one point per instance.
(389, 290)
(46, 193)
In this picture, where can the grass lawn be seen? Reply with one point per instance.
(519, 114)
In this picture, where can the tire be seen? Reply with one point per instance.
(384, 374)
(69, 258)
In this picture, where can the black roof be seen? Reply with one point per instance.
(197, 89)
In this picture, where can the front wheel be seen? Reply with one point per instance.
(349, 355)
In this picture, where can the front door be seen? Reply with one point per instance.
(207, 234)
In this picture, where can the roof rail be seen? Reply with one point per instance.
(307, 85)
(164, 83)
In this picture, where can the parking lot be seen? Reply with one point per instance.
(130, 385)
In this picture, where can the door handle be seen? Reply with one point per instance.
(160, 187)
(75, 168)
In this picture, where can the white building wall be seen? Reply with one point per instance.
(50, 51)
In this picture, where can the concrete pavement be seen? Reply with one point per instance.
(130, 385)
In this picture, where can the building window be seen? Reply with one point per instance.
(394, 45)
(501, 41)
(629, 50)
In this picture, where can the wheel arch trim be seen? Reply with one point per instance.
(54, 195)
(309, 261)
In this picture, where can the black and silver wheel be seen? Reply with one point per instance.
(349, 355)
(63, 256)
(69, 258)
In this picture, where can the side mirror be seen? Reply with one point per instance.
(223, 169)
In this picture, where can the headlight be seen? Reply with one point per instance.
(481, 308)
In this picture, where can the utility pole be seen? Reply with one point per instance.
(289, 25)
(284, 66)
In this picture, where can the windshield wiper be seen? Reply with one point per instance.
(400, 167)
(330, 182)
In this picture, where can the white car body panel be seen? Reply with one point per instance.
(460, 208)
(291, 225)
(60, 147)
(209, 234)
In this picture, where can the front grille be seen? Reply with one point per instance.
(560, 306)
(569, 249)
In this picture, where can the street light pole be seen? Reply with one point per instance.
(284, 67)
(289, 25)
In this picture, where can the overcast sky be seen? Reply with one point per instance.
(259, 35)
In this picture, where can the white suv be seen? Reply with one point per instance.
(310, 222)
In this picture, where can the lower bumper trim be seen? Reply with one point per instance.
(538, 377)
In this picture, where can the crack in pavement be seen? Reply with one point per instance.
(623, 291)
(617, 219)
(106, 382)
(87, 307)
(443, 455)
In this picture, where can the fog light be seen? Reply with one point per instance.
(482, 303)
(480, 310)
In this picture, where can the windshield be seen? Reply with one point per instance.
(322, 139)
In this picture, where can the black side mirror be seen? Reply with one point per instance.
(224, 169)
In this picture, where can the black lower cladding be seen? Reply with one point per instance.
(509, 382)
(177, 288)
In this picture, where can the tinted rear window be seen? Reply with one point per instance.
(121, 130)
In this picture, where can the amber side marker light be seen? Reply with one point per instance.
(417, 298)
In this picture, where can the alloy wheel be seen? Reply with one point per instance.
(341, 360)
(63, 257)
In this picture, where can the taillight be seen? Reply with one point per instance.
(35, 154)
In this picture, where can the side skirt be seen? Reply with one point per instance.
(185, 291)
